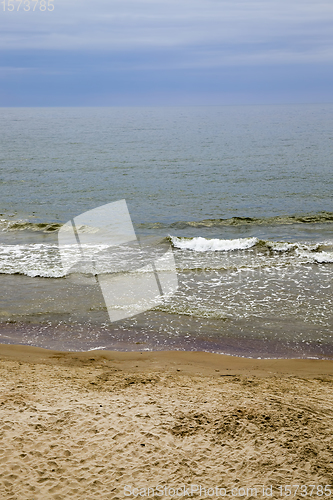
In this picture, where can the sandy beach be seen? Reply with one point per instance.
(114, 425)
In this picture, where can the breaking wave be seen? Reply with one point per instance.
(200, 244)
(44, 260)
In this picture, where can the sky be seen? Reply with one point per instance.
(165, 52)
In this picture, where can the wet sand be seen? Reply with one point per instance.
(98, 424)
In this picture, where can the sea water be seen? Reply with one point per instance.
(243, 194)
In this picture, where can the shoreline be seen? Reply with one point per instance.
(85, 337)
(188, 362)
(91, 424)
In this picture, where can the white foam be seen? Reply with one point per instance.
(31, 260)
(284, 246)
(316, 257)
(37, 259)
(200, 244)
(44, 260)
(281, 246)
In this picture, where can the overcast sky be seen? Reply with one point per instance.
(166, 52)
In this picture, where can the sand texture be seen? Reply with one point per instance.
(85, 426)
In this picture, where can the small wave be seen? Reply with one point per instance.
(34, 260)
(311, 253)
(321, 252)
(49, 227)
(44, 227)
(284, 246)
(198, 253)
(50, 261)
(20, 225)
(241, 221)
(42, 260)
(200, 244)
(316, 257)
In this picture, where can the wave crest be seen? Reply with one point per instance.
(320, 217)
(200, 244)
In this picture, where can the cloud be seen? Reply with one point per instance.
(94, 50)
(247, 27)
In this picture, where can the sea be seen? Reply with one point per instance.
(243, 196)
